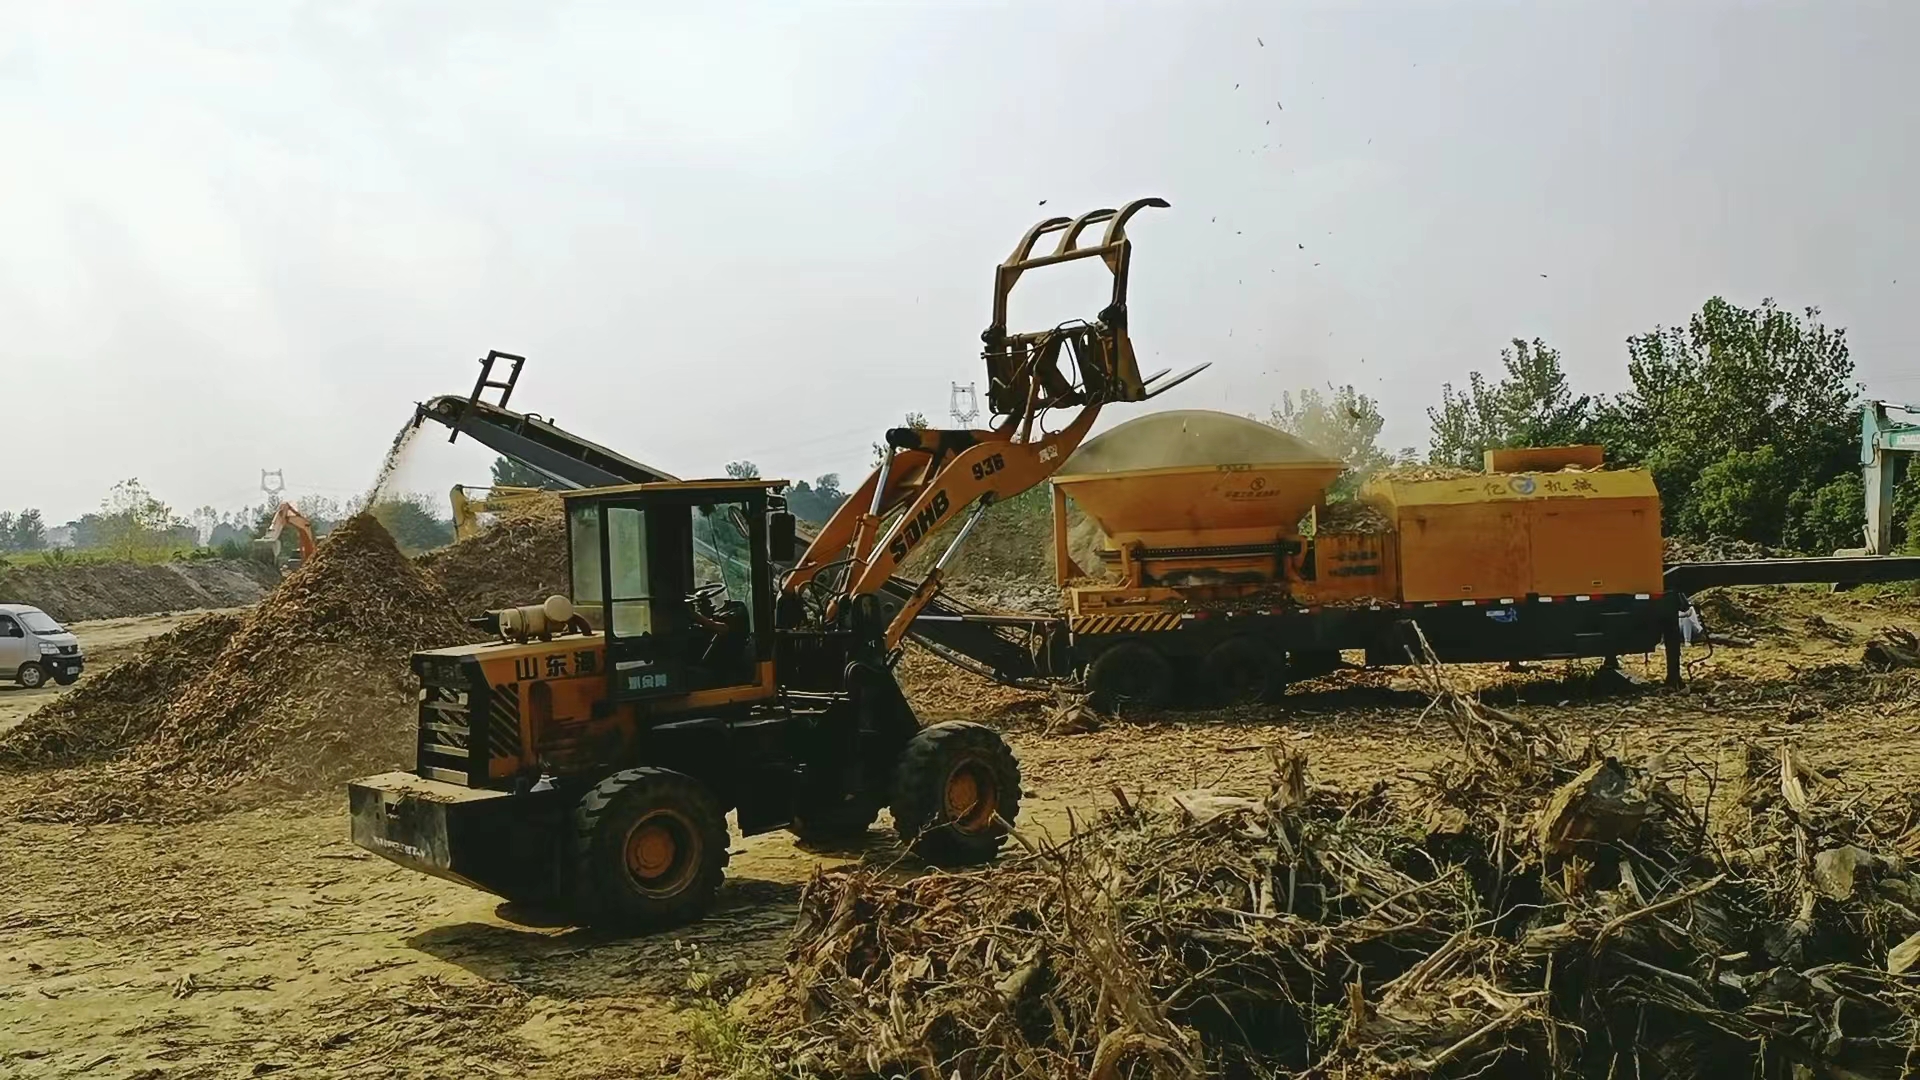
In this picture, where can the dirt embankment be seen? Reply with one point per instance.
(116, 590)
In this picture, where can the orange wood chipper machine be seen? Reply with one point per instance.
(1224, 574)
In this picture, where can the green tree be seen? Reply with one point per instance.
(1830, 518)
(817, 501)
(410, 520)
(1531, 405)
(1341, 423)
(134, 525)
(743, 470)
(322, 512)
(508, 472)
(29, 531)
(1738, 496)
(1744, 378)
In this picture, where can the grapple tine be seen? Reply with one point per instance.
(1024, 249)
(1117, 230)
(1071, 238)
(1156, 391)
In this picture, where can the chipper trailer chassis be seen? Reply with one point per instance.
(590, 756)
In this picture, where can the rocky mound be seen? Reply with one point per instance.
(121, 708)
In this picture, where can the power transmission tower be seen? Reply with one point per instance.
(273, 482)
(964, 404)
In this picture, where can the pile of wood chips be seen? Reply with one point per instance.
(309, 688)
(1538, 909)
(119, 708)
(1414, 474)
(520, 559)
(1353, 516)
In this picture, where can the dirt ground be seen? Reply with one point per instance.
(263, 942)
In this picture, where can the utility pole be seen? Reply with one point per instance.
(964, 404)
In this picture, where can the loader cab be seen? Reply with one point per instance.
(678, 578)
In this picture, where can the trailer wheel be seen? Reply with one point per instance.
(1312, 663)
(955, 785)
(650, 846)
(1130, 673)
(1242, 671)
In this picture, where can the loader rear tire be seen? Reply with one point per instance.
(650, 847)
(1130, 673)
(1244, 671)
(955, 789)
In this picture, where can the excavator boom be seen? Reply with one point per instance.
(284, 517)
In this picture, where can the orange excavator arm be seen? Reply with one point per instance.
(287, 517)
(930, 476)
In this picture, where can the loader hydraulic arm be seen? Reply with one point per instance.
(929, 476)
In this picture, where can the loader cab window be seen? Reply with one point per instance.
(626, 568)
(723, 557)
(629, 584)
(583, 548)
(678, 582)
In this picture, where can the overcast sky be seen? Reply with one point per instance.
(250, 235)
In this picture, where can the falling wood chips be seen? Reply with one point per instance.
(1574, 917)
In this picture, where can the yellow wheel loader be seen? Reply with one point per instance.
(590, 756)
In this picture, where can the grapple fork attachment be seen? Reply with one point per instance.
(1024, 374)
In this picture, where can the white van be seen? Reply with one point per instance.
(34, 648)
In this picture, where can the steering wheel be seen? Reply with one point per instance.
(702, 597)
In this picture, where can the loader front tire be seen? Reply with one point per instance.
(650, 847)
(955, 790)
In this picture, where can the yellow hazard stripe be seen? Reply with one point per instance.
(1139, 622)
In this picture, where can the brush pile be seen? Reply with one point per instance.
(1536, 909)
(311, 686)
(1892, 649)
(520, 559)
(1715, 549)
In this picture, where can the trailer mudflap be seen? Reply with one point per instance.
(505, 843)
